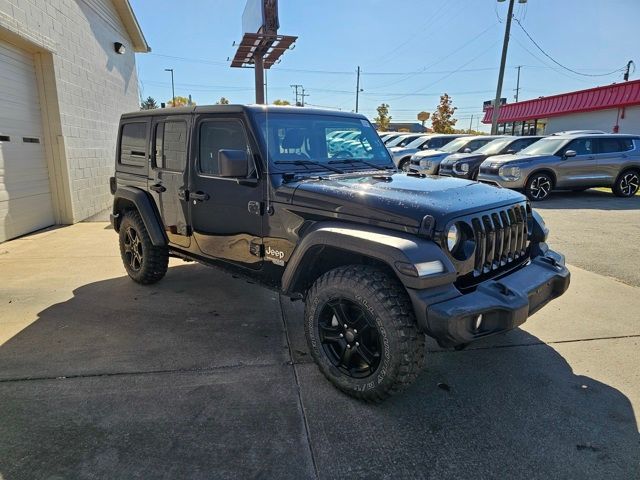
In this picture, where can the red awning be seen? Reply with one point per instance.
(599, 98)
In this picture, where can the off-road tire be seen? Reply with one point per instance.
(151, 262)
(405, 165)
(384, 298)
(538, 187)
(626, 184)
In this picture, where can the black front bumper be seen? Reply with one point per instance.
(504, 303)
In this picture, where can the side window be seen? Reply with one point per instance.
(433, 143)
(609, 145)
(215, 136)
(170, 146)
(582, 146)
(476, 144)
(627, 144)
(133, 144)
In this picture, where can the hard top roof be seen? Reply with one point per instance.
(200, 109)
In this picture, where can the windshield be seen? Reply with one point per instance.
(407, 140)
(545, 146)
(396, 141)
(494, 147)
(294, 137)
(455, 145)
(416, 143)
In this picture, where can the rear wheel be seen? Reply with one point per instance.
(627, 184)
(362, 333)
(145, 263)
(538, 186)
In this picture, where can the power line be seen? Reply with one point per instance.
(561, 65)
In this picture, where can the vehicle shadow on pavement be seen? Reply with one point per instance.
(588, 200)
(192, 378)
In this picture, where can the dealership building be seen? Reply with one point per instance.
(613, 109)
(67, 73)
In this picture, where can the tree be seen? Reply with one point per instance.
(442, 119)
(281, 102)
(383, 119)
(222, 101)
(148, 104)
(180, 102)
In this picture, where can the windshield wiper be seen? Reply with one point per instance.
(359, 160)
(305, 163)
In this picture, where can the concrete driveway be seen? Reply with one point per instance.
(208, 376)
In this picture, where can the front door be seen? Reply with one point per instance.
(168, 179)
(226, 213)
(578, 171)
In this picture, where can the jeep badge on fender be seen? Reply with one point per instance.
(380, 257)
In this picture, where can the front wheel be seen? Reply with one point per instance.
(405, 165)
(362, 333)
(627, 184)
(538, 187)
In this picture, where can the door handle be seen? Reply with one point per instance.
(158, 188)
(199, 196)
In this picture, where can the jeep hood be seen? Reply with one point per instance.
(431, 153)
(398, 198)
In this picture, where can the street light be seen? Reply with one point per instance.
(173, 90)
(503, 61)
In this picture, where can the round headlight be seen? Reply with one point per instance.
(453, 236)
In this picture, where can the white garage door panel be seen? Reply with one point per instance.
(25, 196)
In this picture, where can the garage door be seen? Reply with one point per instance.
(25, 197)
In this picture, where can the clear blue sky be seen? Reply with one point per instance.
(410, 51)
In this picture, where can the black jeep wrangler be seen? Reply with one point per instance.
(380, 257)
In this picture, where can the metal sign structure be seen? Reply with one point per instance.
(261, 46)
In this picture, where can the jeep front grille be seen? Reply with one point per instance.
(501, 243)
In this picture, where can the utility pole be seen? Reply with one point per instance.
(503, 61)
(173, 89)
(358, 89)
(626, 73)
(518, 84)
(302, 95)
(471, 124)
(296, 86)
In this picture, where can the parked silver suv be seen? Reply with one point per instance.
(573, 162)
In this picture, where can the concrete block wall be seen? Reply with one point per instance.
(599, 120)
(94, 86)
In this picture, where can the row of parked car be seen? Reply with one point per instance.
(575, 160)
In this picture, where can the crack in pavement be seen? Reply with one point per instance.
(295, 375)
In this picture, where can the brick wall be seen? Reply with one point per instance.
(94, 85)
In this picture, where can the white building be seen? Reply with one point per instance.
(611, 108)
(67, 73)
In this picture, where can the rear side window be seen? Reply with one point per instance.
(609, 145)
(133, 144)
(171, 146)
(627, 144)
(216, 136)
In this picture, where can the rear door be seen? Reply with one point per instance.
(169, 175)
(225, 213)
(578, 171)
(612, 155)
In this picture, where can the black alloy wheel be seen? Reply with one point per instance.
(627, 184)
(539, 187)
(145, 262)
(350, 338)
(133, 251)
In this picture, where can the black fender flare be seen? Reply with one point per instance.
(147, 209)
(387, 246)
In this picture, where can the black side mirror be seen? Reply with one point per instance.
(569, 154)
(233, 163)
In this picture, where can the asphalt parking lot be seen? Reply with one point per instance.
(208, 376)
